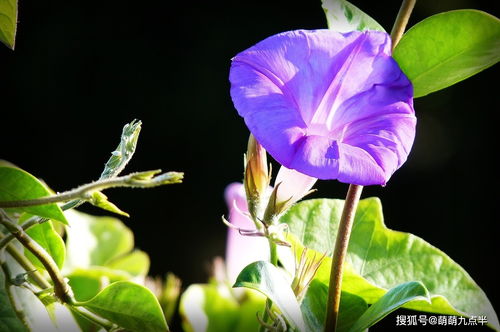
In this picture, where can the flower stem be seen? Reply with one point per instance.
(352, 199)
(339, 253)
(401, 21)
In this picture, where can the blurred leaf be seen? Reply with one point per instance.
(8, 22)
(100, 200)
(46, 236)
(342, 16)
(95, 241)
(392, 300)
(136, 263)
(379, 259)
(267, 279)
(447, 48)
(16, 184)
(130, 306)
(206, 309)
(36, 314)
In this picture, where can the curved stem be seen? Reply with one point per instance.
(339, 253)
(26, 265)
(401, 21)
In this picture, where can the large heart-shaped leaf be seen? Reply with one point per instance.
(267, 279)
(342, 16)
(447, 48)
(384, 258)
(8, 22)
(130, 306)
(16, 184)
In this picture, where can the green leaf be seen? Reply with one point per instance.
(379, 259)
(95, 241)
(100, 200)
(342, 16)
(314, 308)
(130, 306)
(87, 283)
(447, 48)
(16, 184)
(46, 236)
(136, 263)
(9, 322)
(392, 300)
(8, 22)
(267, 279)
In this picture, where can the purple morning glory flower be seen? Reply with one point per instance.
(327, 104)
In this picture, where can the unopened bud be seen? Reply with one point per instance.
(290, 186)
(256, 175)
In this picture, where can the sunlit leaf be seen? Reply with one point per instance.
(379, 259)
(16, 184)
(130, 306)
(447, 48)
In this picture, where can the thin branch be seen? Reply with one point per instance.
(61, 288)
(26, 265)
(134, 180)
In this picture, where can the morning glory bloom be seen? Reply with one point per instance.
(327, 104)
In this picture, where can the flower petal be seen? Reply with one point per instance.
(307, 96)
(241, 250)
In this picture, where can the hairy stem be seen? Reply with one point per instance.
(339, 253)
(134, 180)
(61, 288)
(401, 21)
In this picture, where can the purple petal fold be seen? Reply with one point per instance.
(329, 105)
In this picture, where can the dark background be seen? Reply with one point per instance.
(80, 71)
